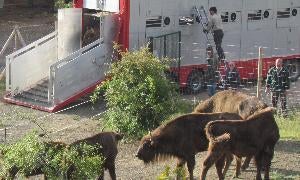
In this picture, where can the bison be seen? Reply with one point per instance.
(107, 143)
(181, 137)
(256, 136)
(107, 147)
(233, 102)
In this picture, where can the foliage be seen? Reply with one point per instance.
(278, 176)
(289, 127)
(181, 173)
(24, 154)
(165, 175)
(54, 159)
(2, 86)
(85, 160)
(59, 4)
(139, 96)
(178, 172)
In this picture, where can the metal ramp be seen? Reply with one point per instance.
(37, 76)
(68, 79)
(37, 95)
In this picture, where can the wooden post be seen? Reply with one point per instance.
(259, 73)
(5, 134)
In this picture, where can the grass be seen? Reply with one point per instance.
(279, 176)
(289, 127)
(2, 85)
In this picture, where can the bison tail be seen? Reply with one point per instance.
(220, 143)
(212, 135)
(223, 138)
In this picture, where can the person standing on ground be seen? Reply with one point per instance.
(277, 83)
(212, 71)
(215, 25)
(232, 78)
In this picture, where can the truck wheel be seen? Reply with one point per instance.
(195, 82)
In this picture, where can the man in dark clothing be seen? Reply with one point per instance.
(278, 82)
(212, 74)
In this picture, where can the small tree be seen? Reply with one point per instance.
(139, 96)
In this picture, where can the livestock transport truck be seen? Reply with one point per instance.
(59, 68)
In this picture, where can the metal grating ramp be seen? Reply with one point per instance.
(36, 96)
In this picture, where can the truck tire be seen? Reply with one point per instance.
(195, 81)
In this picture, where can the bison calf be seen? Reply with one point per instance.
(181, 137)
(106, 143)
(233, 102)
(256, 136)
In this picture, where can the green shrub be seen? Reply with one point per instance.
(59, 4)
(139, 96)
(24, 154)
(178, 172)
(54, 159)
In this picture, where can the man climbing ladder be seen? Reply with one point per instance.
(215, 26)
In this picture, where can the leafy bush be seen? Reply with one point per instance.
(178, 172)
(53, 159)
(139, 96)
(58, 4)
(24, 154)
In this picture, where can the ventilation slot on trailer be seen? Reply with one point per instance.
(283, 13)
(154, 22)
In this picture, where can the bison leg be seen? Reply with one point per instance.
(246, 163)
(229, 158)
(219, 166)
(180, 163)
(268, 156)
(258, 163)
(211, 158)
(101, 177)
(238, 166)
(112, 171)
(190, 165)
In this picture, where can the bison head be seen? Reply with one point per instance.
(147, 149)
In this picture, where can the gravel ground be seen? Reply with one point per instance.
(76, 123)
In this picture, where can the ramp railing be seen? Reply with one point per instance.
(80, 70)
(30, 64)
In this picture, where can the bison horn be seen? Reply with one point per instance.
(150, 135)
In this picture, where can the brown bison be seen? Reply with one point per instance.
(107, 147)
(181, 137)
(107, 142)
(233, 102)
(256, 136)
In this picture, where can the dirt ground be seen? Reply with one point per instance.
(79, 122)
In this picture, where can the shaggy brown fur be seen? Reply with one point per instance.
(233, 102)
(107, 143)
(181, 137)
(256, 136)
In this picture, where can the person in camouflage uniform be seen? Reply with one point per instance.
(277, 83)
(212, 75)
